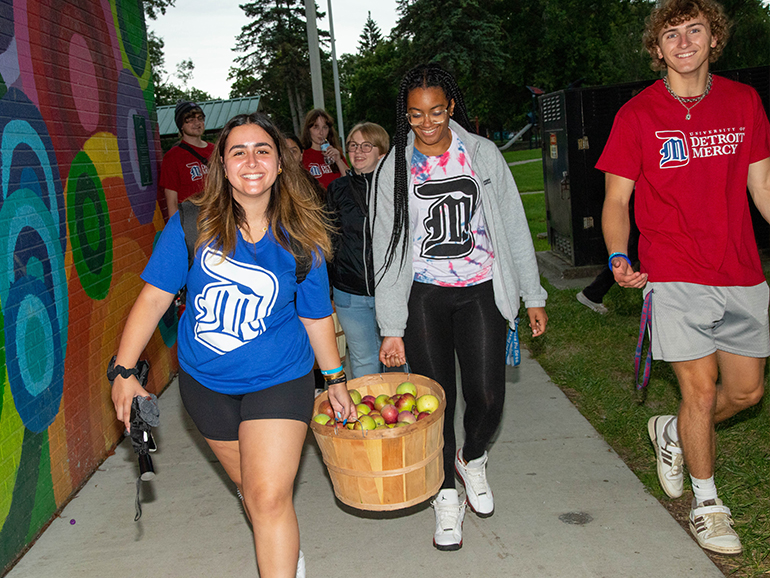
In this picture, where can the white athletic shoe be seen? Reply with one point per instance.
(301, 565)
(712, 526)
(449, 520)
(473, 476)
(669, 456)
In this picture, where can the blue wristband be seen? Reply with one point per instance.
(331, 371)
(630, 264)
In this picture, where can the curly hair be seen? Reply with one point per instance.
(294, 211)
(674, 12)
(421, 76)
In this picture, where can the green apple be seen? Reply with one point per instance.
(407, 387)
(427, 403)
(322, 418)
(355, 396)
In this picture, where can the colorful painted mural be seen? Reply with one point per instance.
(79, 156)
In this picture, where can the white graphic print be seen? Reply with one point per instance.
(232, 309)
(449, 217)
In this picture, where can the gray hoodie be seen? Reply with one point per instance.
(514, 272)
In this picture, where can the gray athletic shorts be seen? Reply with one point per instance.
(690, 321)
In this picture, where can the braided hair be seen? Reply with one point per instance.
(422, 76)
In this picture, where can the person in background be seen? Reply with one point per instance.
(453, 253)
(352, 271)
(247, 340)
(687, 147)
(322, 155)
(184, 166)
(295, 147)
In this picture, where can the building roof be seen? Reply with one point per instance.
(217, 112)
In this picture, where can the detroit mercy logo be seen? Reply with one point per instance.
(233, 307)
(673, 152)
(197, 171)
(449, 217)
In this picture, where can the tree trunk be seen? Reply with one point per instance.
(293, 110)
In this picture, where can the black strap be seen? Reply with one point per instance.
(188, 217)
(186, 146)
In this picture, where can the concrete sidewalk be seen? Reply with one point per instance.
(566, 506)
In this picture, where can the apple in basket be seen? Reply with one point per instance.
(322, 418)
(355, 396)
(406, 417)
(389, 413)
(427, 403)
(407, 387)
(326, 407)
(365, 423)
(422, 415)
(381, 401)
(368, 401)
(378, 419)
(405, 402)
(363, 409)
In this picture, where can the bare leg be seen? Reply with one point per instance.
(263, 464)
(704, 403)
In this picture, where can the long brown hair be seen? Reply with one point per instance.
(294, 211)
(310, 119)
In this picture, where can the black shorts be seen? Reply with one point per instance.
(219, 415)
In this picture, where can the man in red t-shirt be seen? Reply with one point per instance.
(184, 167)
(689, 145)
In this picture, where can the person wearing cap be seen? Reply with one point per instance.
(185, 165)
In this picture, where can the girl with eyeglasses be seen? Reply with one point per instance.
(351, 271)
(454, 255)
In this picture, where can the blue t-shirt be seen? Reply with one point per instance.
(240, 331)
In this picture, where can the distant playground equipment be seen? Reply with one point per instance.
(532, 122)
(517, 136)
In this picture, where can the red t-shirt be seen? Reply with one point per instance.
(690, 203)
(182, 172)
(315, 162)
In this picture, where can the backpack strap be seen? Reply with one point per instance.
(188, 217)
(185, 146)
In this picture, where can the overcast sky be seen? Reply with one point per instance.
(205, 31)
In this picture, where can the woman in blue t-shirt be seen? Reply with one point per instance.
(250, 331)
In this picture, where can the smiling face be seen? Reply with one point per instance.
(194, 124)
(251, 163)
(431, 139)
(363, 163)
(685, 47)
(319, 132)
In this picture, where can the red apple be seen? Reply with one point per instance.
(367, 402)
(405, 402)
(326, 407)
(369, 397)
(389, 414)
(406, 416)
(422, 415)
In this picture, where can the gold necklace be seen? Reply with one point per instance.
(693, 99)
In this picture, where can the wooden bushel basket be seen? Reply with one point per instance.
(385, 469)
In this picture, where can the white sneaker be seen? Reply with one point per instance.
(712, 526)
(473, 476)
(592, 305)
(449, 520)
(669, 456)
(301, 565)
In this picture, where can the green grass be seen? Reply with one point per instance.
(591, 358)
(522, 155)
(529, 177)
(534, 207)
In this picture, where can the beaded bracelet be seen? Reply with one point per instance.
(623, 255)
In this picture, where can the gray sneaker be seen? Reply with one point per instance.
(593, 306)
(669, 456)
(712, 525)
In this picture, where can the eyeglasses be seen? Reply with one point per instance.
(365, 147)
(200, 116)
(436, 117)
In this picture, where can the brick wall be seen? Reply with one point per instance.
(79, 160)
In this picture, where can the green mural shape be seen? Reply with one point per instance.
(88, 217)
(11, 438)
(45, 502)
(129, 17)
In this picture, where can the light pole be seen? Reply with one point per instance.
(340, 124)
(315, 56)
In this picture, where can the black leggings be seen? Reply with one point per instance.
(443, 320)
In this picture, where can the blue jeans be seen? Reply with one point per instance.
(358, 320)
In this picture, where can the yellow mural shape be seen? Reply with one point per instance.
(12, 436)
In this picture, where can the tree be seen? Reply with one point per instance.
(275, 62)
(154, 7)
(370, 37)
